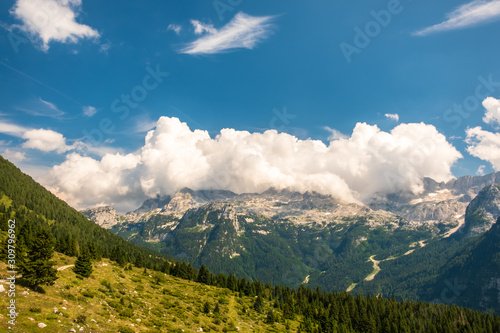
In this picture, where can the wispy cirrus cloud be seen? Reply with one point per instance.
(52, 107)
(334, 134)
(470, 14)
(200, 28)
(243, 31)
(104, 48)
(41, 108)
(480, 170)
(89, 110)
(52, 20)
(175, 28)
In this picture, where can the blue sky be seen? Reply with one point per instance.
(298, 67)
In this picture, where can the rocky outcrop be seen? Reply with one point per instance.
(152, 204)
(444, 202)
(434, 211)
(472, 184)
(483, 211)
(105, 216)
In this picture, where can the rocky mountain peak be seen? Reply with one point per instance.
(104, 216)
(180, 202)
(153, 203)
(466, 184)
(483, 211)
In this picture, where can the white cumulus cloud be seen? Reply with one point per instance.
(45, 140)
(52, 20)
(83, 181)
(243, 31)
(492, 106)
(469, 14)
(484, 145)
(352, 168)
(392, 116)
(14, 156)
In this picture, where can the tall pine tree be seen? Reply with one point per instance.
(204, 275)
(83, 265)
(37, 269)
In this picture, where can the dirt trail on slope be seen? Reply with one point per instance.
(376, 267)
(62, 268)
(452, 231)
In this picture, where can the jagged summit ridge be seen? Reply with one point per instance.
(443, 202)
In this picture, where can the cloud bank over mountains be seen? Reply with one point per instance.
(355, 167)
(174, 156)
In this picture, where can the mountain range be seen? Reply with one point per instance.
(292, 238)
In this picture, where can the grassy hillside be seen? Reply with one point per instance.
(117, 300)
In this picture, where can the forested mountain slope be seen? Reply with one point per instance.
(462, 269)
(31, 205)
